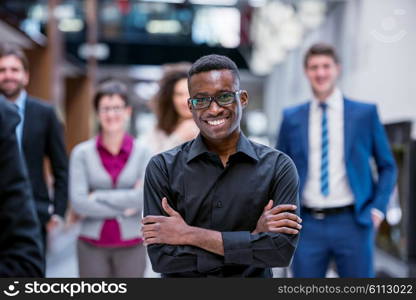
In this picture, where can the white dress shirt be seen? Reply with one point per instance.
(340, 193)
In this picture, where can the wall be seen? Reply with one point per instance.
(376, 40)
(385, 58)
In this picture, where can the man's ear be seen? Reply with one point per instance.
(26, 79)
(339, 70)
(243, 98)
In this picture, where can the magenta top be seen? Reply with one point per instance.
(110, 235)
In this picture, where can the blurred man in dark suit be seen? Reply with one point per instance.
(20, 240)
(39, 135)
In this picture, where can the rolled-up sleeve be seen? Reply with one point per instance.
(267, 249)
(237, 247)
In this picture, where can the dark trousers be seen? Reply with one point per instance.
(336, 237)
(44, 236)
(44, 243)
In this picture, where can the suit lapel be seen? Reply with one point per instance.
(28, 120)
(304, 129)
(348, 126)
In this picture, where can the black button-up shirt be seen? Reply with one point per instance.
(228, 199)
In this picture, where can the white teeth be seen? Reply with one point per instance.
(216, 122)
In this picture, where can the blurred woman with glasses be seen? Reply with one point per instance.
(106, 176)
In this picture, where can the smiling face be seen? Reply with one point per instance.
(13, 76)
(113, 113)
(322, 72)
(217, 122)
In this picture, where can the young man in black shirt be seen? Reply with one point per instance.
(219, 204)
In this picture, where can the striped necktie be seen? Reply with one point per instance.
(324, 151)
(19, 127)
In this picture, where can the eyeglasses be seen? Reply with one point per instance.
(222, 100)
(107, 109)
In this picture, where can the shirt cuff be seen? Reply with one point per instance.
(237, 247)
(377, 212)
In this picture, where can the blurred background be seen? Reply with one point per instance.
(73, 44)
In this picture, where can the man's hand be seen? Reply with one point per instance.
(169, 230)
(277, 219)
(54, 222)
(377, 219)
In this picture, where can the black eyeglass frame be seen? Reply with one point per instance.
(209, 99)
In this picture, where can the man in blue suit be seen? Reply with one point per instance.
(333, 141)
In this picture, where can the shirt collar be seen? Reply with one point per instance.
(244, 146)
(21, 100)
(334, 101)
(126, 145)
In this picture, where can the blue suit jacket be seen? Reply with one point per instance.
(364, 138)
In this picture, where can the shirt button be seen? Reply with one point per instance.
(219, 204)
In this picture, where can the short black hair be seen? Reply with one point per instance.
(109, 88)
(321, 49)
(214, 62)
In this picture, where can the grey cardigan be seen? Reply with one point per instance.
(87, 175)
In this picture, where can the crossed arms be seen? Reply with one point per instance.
(175, 246)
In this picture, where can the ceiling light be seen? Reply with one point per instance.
(163, 26)
(215, 2)
(166, 1)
